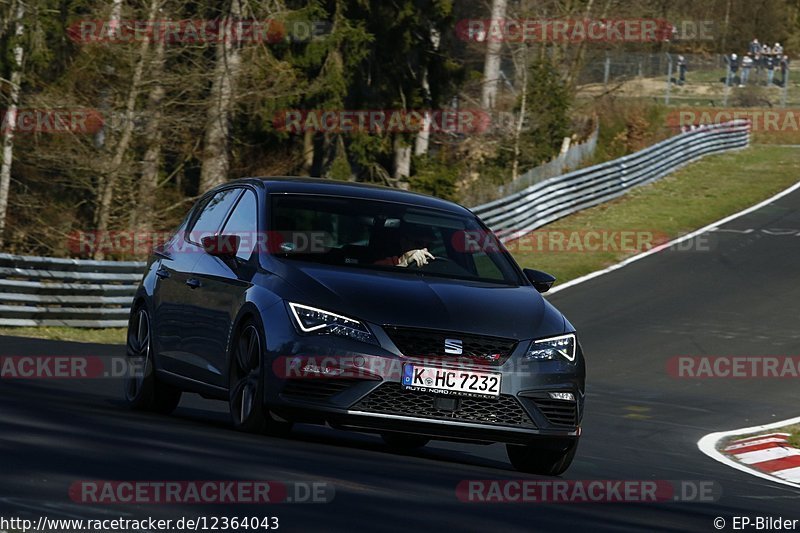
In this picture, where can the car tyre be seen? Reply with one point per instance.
(545, 462)
(143, 390)
(246, 385)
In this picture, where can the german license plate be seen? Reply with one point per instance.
(449, 381)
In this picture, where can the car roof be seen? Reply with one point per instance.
(297, 185)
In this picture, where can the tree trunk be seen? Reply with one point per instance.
(577, 61)
(725, 27)
(216, 162)
(402, 162)
(523, 107)
(491, 66)
(112, 176)
(423, 140)
(152, 157)
(5, 22)
(114, 18)
(11, 118)
(308, 152)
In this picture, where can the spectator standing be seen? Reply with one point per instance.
(758, 61)
(755, 47)
(777, 51)
(681, 70)
(784, 69)
(770, 64)
(747, 64)
(733, 68)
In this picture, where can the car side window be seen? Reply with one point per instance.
(485, 267)
(214, 212)
(244, 223)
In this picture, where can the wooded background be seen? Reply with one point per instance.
(181, 117)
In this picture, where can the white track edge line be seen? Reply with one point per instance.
(673, 242)
(707, 444)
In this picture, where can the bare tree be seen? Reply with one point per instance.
(152, 157)
(523, 105)
(109, 185)
(402, 161)
(216, 161)
(115, 18)
(308, 152)
(423, 139)
(11, 116)
(578, 59)
(491, 66)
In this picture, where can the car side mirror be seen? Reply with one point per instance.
(223, 246)
(542, 281)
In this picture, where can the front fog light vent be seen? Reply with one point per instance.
(563, 396)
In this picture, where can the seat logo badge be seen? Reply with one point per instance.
(453, 346)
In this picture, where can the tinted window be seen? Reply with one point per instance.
(213, 214)
(374, 234)
(244, 223)
(485, 267)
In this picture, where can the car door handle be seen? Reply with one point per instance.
(162, 273)
(193, 283)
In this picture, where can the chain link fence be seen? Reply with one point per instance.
(574, 157)
(706, 80)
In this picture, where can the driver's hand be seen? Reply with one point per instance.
(421, 257)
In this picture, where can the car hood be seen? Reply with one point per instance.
(416, 300)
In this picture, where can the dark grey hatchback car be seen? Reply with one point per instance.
(361, 307)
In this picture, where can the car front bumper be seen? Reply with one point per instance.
(351, 387)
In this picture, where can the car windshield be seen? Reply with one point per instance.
(390, 236)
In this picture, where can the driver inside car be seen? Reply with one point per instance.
(415, 240)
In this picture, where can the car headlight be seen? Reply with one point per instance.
(553, 348)
(312, 320)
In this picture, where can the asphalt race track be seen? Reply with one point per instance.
(735, 293)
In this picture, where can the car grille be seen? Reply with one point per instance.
(390, 398)
(557, 412)
(315, 389)
(427, 343)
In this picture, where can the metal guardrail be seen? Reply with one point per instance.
(43, 291)
(554, 198)
(574, 157)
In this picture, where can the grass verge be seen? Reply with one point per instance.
(691, 198)
(794, 439)
(99, 336)
(793, 431)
